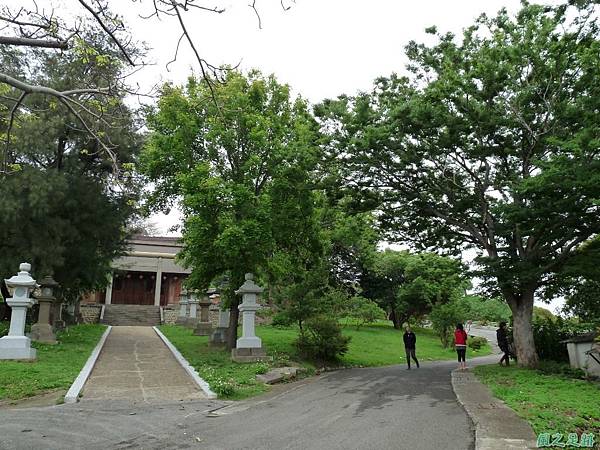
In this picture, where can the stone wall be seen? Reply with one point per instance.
(90, 313)
(170, 314)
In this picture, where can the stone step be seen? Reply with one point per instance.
(131, 315)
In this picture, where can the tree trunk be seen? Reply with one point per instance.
(521, 306)
(395, 319)
(234, 314)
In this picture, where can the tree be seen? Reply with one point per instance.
(53, 30)
(59, 207)
(241, 171)
(408, 285)
(444, 318)
(584, 301)
(489, 143)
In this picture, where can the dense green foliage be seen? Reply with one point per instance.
(444, 318)
(60, 208)
(408, 285)
(489, 143)
(551, 403)
(56, 366)
(321, 340)
(549, 334)
(237, 156)
(485, 310)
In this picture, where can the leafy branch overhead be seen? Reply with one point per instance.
(46, 28)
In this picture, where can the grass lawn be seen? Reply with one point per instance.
(56, 366)
(550, 403)
(376, 345)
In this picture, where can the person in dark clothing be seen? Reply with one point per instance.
(502, 338)
(410, 342)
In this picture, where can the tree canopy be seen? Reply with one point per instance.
(491, 143)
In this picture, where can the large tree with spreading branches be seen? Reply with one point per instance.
(491, 142)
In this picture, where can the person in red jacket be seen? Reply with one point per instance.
(460, 341)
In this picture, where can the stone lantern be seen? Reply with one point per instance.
(183, 304)
(219, 335)
(204, 327)
(42, 330)
(16, 345)
(249, 346)
(193, 301)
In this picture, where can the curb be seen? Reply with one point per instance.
(497, 427)
(72, 394)
(203, 385)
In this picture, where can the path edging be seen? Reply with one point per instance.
(203, 385)
(72, 394)
(477, 400)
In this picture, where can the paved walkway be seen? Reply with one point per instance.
(135, 365)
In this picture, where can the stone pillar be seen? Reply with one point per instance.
(204, 327)
(57, 321)
(42, 330)
(16, 345)
(219, 336)
(249, 346)
(183, 307)
(192, 319)
(108, 295)
(158, 282)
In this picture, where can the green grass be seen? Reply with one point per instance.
(56, 366)
(376, 345)
(549, 402)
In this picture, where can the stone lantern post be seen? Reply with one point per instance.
(193, 301)
(249, 346)
(16, 345)
(219, 336)
(42, 330)
(183, 305)
(204, 327)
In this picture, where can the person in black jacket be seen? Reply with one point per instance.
(410, 341)
(502, 338)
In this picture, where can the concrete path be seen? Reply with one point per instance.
(135, 365)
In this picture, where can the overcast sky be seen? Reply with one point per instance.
(321, 48)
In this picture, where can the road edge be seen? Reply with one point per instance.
(477, 401)
(72, 394)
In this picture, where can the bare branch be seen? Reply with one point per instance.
(31, 42)
(109, 32)
(253, 6)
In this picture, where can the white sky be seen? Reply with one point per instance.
(320, 48)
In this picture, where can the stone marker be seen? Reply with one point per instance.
(183, 307)
(249, 346)
(16, 345)
(192, 319)
(204, 327)
(42, 330)
(219, 335)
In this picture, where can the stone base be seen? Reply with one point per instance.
(181, 321)
(43, 333)
(243, 355)
(218, 338)
(59, 325)
(16, 347)
(190, 323)
(203, 329)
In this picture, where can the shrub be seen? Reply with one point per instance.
(548, 334)
(556, 368)
(281, 319)
(364, 311)
(321, 339)
(444, 318)
(476, 342)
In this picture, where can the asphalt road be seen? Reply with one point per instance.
(375, 408)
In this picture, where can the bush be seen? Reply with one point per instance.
(444, 318)
(364, 311)
(281, 319)
(321, 339)
(548, 334)
(476, 342)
